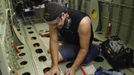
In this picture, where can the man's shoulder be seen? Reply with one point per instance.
(77, 15)
(72, 11)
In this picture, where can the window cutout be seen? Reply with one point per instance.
(100, 33)
(29, 27)
(20, 47)
(33, 38)
(23, 63)
(11, 71)
(46, 69)
(39, 50)
(26, 73)
(18, 29)
(22, 54)
(96, 40)
(36, 45)
(69, 65)
(42, 58)
(30, 32)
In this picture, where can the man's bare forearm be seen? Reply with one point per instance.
(54, 52)
(54, 45)
(79, 59)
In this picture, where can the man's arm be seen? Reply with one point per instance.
(54, 45)
(54, 51)
(84, 31)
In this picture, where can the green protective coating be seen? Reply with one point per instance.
(24, 52)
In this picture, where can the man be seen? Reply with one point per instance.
(76, 30)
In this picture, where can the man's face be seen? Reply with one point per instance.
(59, 21)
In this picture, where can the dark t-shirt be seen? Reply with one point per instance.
(70, 30)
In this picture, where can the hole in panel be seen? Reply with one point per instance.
(42, 58)
(100, 33)
(23, 63)
(18, 29)
(39, 50)
(29, 27)
(30, 32)
(20, 47)
(96, 40)
(33, 38)
(36, 45)
(69, 65)
(22, 54)
(26, 73)
(46, 69)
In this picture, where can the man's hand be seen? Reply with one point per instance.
(70, 71)
(53, 71)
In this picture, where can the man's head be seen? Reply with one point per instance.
(55, 14)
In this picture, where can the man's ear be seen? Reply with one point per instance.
(62, 15)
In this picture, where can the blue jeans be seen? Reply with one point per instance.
(69, 52)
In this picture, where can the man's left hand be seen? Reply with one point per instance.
(70, 71)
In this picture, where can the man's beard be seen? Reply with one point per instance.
(59, 26)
